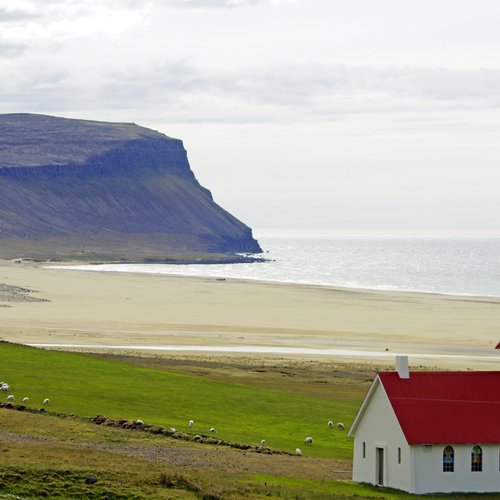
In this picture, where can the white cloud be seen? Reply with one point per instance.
(70, 20)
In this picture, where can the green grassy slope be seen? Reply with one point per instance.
(88, 386)
(43, 455)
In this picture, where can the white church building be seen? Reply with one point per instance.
(429, 432)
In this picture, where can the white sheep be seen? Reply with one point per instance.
(212, 429)
(308, 440)
(46, 401)
(172, 430)
(263, 442)
(10, 397)
(139, 421)
(298, 452)
(4, 387)
(26, 399)
(340, 425)
(330, 423)
(191, 423)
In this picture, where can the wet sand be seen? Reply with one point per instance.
(126, 310)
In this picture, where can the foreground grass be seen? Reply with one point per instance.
(322, 489)
(44, 455)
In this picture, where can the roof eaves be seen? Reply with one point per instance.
(364, 405)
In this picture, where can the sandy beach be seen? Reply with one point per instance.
(149, 313)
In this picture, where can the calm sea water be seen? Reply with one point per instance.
(466, 265)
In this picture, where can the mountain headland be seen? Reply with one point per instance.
(80, 189)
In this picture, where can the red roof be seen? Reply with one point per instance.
(498, 346)
(446, 407)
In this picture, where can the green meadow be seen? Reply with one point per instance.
(61, 454)
(87, 386)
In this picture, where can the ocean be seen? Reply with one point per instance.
(462, 265)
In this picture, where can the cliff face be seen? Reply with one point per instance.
(73, 188)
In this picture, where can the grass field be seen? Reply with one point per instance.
(47, 455)
(242, 412)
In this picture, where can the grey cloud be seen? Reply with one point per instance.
(304, 84)
(304, 92)
(207, 4)
(195, 4)
(14, 15)
(281, 94)
(8, 50)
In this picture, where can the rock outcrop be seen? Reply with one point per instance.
(95, 190)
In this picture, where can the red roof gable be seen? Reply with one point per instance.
(446, 407)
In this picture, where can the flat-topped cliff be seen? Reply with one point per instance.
(78, 188)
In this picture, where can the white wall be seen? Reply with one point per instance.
(430, 478)
(379, 427)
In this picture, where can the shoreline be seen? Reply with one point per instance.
(341, 288)
(448, 265)
(143, 309)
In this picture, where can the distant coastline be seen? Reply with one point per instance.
(450, 265)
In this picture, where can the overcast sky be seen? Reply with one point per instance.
(359, 115)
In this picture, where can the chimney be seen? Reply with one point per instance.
(402, 366)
